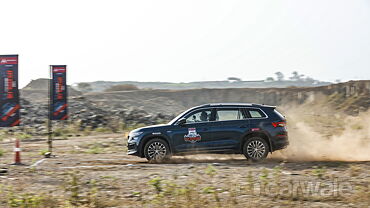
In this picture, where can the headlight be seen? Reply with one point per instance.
(135, 134)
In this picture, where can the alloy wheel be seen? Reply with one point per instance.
(256, 149)
(157, 151)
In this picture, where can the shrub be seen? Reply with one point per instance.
(103, 130)
(95, 148)
(319, 172)
(23, 136)
(2, 137)
(43, 151)
(73, 188)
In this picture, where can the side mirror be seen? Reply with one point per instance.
(181, 122)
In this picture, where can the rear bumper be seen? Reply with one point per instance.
(279, 142)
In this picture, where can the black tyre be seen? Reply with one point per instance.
(156, 150)
(255, 149)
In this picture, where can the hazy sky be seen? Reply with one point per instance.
(182, 41)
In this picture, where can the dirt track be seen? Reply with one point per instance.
(124, 180)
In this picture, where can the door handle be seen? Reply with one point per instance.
(243, 127)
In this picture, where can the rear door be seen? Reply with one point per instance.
(257, 118)
(228, 128)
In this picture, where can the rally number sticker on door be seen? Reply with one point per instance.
(192, 136)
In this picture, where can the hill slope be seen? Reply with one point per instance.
(350, 97)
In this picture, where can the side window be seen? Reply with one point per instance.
(229, 114)
(199, 116)
(256, 113)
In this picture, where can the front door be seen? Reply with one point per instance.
(194, 135)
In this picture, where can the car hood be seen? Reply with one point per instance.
(152, 127)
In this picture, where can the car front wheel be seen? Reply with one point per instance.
(255, 149)
(156, 150)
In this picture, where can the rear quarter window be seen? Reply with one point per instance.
(255, 113)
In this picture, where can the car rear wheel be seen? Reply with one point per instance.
(156, 150)
(255, 149)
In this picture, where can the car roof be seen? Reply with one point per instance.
(234, 105)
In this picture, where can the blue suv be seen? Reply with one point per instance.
(236, 128)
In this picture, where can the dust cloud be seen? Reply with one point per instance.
(316, 133)
(325, 136)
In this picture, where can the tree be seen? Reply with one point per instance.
(234, 79)
(296, 76)
(279, 76)
(270, 79)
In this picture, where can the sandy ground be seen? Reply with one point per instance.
(127, 181)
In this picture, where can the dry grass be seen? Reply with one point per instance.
(202, 189)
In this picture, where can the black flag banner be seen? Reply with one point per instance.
(9, 103)
(58, 89)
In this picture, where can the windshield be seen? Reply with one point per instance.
(177, 117)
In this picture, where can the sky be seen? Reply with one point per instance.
(184, 41)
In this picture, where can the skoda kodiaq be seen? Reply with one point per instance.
(236, 128)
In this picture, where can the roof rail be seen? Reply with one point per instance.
(236, 104)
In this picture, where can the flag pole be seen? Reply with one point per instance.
(50, 125)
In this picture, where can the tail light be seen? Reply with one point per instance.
(279, 124)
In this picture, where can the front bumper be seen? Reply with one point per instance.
(132, 146)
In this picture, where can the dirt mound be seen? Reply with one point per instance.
(37, 90)
(38, 84)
